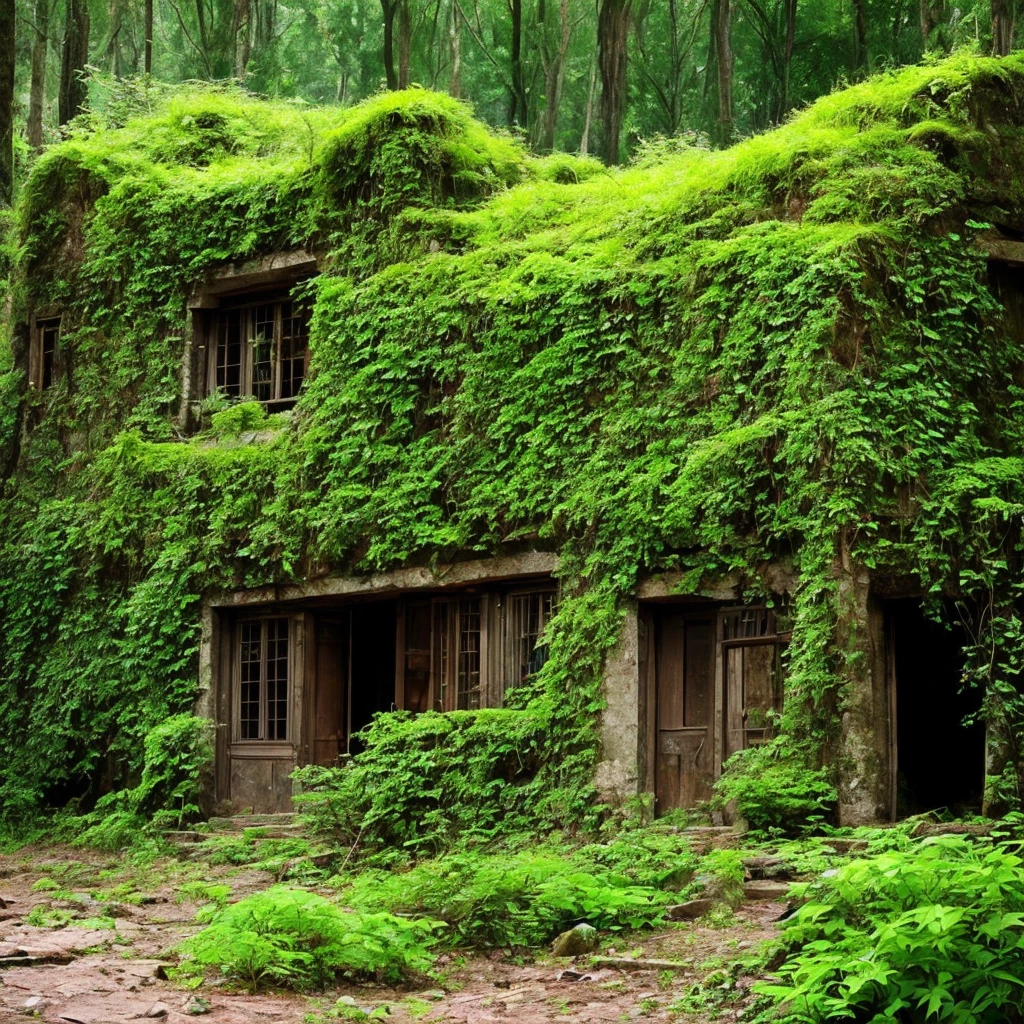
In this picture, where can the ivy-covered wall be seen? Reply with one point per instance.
(707, 362)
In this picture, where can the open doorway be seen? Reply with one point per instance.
(372, 664)
(939, 760)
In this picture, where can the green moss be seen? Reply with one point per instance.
(705, 362)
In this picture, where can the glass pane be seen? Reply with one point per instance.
(469, 655)
(294, 340)
(277, 679)
(263, 352)
(229, 352)
(250, 659)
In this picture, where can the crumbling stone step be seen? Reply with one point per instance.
(757, 892)
(240, 822)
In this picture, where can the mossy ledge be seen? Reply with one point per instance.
(788, 351)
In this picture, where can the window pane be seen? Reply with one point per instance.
(294, 339)
(277, 679)
(229, 352)
(469, 655)
(528, 615)
(250, 658)
(49, 331)
(263, 352)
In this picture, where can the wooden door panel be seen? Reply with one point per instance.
(684, 680)
(331, 710)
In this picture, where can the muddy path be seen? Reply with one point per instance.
(85, 939)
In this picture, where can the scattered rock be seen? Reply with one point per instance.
(6, 901)
(158, 1010)
(689, 911)
(568, 975)
(196, 1006)
(35, 1003)
(847, 846)
(768, 867)
(576, 941)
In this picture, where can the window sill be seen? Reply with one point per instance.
(263, 749)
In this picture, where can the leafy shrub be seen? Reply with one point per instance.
(295, 938)
(935, 933)
(238, 418)
(178, 751)
(775, 792)
(509, 900)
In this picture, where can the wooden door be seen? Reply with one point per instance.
(685, 700)
(330, 714)
(751, 663)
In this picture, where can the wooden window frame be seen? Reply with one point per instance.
(41, 329)
(263, 740)
(281, 392)
(451, 615)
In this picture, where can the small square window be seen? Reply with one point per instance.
(260, 350)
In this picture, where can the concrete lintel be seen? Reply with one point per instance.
(666, 585)
(1002, 250)
(503, 568)
(279, 268)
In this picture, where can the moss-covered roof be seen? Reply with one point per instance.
(708, 361)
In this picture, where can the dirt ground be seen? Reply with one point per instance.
(101, 932)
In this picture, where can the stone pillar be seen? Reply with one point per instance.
(619, 769)
(864, 737)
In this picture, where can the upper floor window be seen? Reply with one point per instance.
(45, 354)
(260, 350)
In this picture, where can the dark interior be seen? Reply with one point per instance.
(373, 663)
(940, 760)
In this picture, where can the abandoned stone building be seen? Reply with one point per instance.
(291, 671)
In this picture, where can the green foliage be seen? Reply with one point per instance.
(239, 418)
(511, 900)
(935, 933)
(297, 939)
(774, 793)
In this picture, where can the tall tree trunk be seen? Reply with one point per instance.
(74, 58)
(612, 52)
(860, 37)
(147, 28)
(588, 113)
(517, 94)
(554, 77)
(787, 57)
(932, 13)
(241, 33)
(389, 8)
(455, 43)
(1002, 27)
(404, 43)
(37, 90)
(6, 102)
(721, 33)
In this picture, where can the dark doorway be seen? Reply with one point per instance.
(372, 664)
(940, 761)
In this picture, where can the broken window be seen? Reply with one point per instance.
(259, 350)
(526, 618)
(263, 679)
(46, 352)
